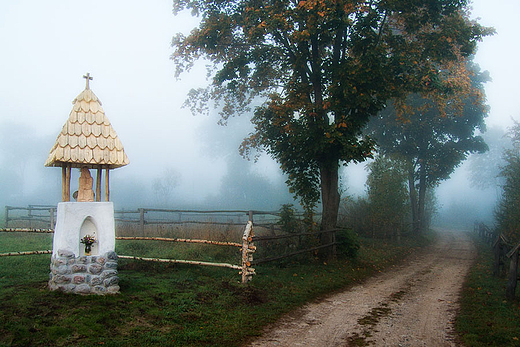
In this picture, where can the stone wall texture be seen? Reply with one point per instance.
(96, 274)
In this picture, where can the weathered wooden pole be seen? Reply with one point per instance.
(64, 183)
(107, 184)
(513, 276)
(7, 216)
(67, 183)
(98, 183)
(141, 220)
(51, 212)
(247, 251)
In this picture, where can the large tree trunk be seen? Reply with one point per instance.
(330, 200)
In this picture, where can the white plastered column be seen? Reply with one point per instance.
(70, 219)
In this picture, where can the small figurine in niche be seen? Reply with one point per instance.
(85, 192)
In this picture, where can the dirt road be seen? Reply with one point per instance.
(413, 305)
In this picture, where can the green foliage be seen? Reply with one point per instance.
(485, 317)
(388, 196)
(349, 243)
(321, 68)
(165, 304)
(288, 221)
(355, 214)
(508, 212)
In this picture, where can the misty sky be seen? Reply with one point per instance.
(125, 45)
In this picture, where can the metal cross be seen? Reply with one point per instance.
(88, 78)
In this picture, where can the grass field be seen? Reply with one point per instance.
(165, 304)
(486, 318)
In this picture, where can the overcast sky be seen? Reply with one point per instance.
(47, 46)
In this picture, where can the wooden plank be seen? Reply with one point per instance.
(10, 254)
(107, 184)
(210, 242)
(67, 182)
(26, 230)
(277, 237)
(150, 222)
(247, 250)
(177, 261)
(98, 183)
(265, 260)
(64, 183)
(42, 208)
(196, 211)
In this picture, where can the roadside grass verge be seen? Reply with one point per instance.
(486, 318)
(168, 304)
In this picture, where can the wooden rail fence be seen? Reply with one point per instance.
(36, 216)
(503, 250)
(300, 251)
(268, 221)
(247, 250)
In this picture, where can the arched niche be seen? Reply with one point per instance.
(88, 227)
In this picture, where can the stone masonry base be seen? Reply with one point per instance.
(95, 274)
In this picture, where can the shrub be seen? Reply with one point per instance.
(288, 221)
(348, 243)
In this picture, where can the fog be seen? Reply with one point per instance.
(177, 159)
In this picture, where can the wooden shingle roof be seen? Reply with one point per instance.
(87, 138)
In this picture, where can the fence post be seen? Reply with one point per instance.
(247, 252)
(513, 273)
(29, 214)
(7, 216)
(141, 220)
(51, 211)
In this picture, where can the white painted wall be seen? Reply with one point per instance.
(76, 219)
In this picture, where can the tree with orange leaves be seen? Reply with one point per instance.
(321, 69)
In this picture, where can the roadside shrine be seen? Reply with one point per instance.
(83, 256)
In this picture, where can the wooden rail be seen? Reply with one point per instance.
(278, 237)
(10, 254)
(178, 261)
(219, 243)
(26, 230)
(247, 245)
(292, 254)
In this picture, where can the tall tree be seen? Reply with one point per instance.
(508, 213)
(435, 131)
(323, 68)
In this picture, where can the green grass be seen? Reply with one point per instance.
(166, 304)
(486, 318)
